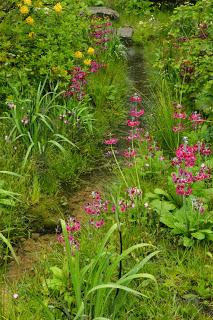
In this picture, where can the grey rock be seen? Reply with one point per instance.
(104, 12)
(125, 33)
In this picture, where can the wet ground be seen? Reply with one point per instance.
(31, 250)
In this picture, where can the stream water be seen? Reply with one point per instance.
(136, 69)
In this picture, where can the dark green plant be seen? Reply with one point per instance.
(94, 285)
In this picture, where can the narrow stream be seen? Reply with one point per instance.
(136, 69)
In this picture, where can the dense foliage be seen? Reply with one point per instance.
(138, 246)
(187, 56)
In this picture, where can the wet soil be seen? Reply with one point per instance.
(31, 250)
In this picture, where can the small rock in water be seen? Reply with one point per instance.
(104, 12)
(125, 33)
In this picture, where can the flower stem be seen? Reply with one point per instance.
(119, 168)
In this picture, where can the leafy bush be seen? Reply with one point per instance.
(38, 37)
(186, 57)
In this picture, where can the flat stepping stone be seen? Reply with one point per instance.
(104, 12)
(125, 33)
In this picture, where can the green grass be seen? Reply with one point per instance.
(183, 276)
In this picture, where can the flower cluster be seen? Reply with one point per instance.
(187, 155)
(29, 20)
(78, 82)
(195, 119)
(73, 227)
(98, 206)
(135, 133)
(58, 7)
(197, 204)
(186, 158)
(111, 141)
(101, 31)
(95, 208)
(130, 153)
(24, 10)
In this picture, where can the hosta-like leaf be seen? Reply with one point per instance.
(161, 192)
(162, 206)
(187, 242)
(198, 235)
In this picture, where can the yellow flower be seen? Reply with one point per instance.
(31, 35)
(28, 2)
(24, 9)
(87, 62)
(91, 51)
(78, 54)
(29, 20)
(58, 7)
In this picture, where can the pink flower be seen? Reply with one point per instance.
(76, 226)
(96, 195)
(133, 136)
(180, 127)
(129, 153)
(185, 154)
(136, 114)
(133, 192)
(161, 158)
(132, 123)
(196, 119)
(135, 98)
(183, 190)
(183, 177)
(123, 206)
(113, 208)
(92, 209)
(180, 115)
(99, 224)
(60, 238)
(203, 174)
(111, 141)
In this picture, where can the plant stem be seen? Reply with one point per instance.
(119, 168)
(120, 247)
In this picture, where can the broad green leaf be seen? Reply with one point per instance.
(57, 272)
(188, 242)
(198, 235)
(161, 192)
(162, 206)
